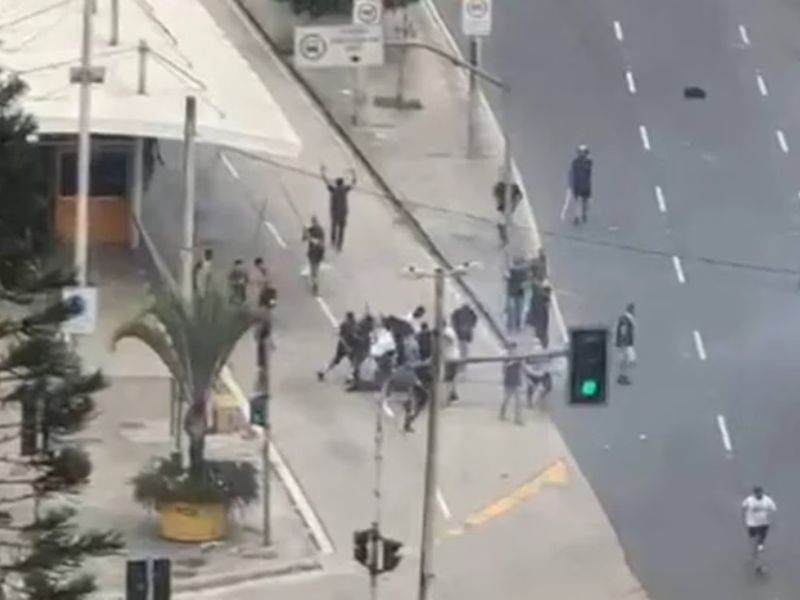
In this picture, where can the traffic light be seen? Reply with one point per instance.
(361, 546)
(391, 555)
(136, 582)
(588, 365)
(162, 579)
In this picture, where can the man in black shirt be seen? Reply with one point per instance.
(339, 208)
(314, 236)
(580, 183)
(345, 345)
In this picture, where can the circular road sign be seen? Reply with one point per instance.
(477, 9)
(367, 14)
(313, 47)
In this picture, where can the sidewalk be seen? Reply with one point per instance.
(132, 427)
(570, 550)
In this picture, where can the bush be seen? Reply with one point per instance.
(231, 483)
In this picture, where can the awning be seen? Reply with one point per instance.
(188, 55)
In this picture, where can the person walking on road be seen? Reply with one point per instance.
(513, 369)
(203, 272)
(463, 319)
(580, 184)
(339, 191)
(238, 280)
(537, 375)
(624, 337)
(757, 511)
(516, 280)
(314, 236)
(538, 316)
(499, 192)
(260, 280)
(345, 344)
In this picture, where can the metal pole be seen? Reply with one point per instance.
(84, 150)
(138, 190)
(507, 196)
(358, 92)
(188, 197)
(376, 523)
(474, 60)
(143, 51)
(431, 455)
(114, 22)
(401, 68)
(265, 447)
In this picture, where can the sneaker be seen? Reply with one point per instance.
(320, 375)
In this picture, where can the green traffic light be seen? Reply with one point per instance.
(589, 388)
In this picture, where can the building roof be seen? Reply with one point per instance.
(188, 55)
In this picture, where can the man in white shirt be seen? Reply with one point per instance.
(757, 509)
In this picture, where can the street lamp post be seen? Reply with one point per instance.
(84, 149)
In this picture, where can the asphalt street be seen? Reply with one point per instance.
(695, 219)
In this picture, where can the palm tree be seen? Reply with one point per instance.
(194, 340)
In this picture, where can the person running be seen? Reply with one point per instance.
(339, 191)
(463, 320)
(757, 511)
(580, 183)
(624, 338)
(345, 345)
(314, 236)
(238, 280)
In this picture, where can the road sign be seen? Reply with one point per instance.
(338, 46)
(476, 17)
(84, 323)
(367, 12)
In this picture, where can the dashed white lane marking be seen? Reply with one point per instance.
(229, 165)
(618, 31)
(662, 204)
(276, 234)
(443, 505)
(782, 141)
(328, 312)
(762, 85)
(676, 262)
(699, 346)
(564, 208)
(743, 33)
(645, 137)
(723, 431)
(631, 82)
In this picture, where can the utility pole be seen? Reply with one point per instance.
(426, 575)
(472, 117)
(187, 251)
(376, 523)
(263, 393)
(84, 149)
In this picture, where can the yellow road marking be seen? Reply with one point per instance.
(556, 474)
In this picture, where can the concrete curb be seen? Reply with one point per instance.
(416, 227)
(196, 584)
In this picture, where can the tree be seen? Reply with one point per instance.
(44, 390)
(194, 341)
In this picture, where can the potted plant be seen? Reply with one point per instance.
(194, 339)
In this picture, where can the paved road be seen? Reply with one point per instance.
(717, 339)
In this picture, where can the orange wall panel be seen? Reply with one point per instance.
(109, 219)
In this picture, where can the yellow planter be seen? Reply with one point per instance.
(186, 522)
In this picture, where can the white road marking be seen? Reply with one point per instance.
(698, 343)
(645, 137)
(328, 312)
(631, 82)
(743, 33)
(618, 31)
(782, 140)
(676, 262)
(276, 234)
(762, 85)
(723, 431)
(443, 505)
(662, 205)
(229, 165)
(567, 198)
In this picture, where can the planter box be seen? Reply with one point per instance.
(187, 522)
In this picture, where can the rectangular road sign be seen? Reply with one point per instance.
(367, 12)
(476, 17)
(338, 46)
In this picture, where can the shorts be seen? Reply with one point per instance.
(450, 370)
(759, 533)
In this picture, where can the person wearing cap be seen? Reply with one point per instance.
(580, 183)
